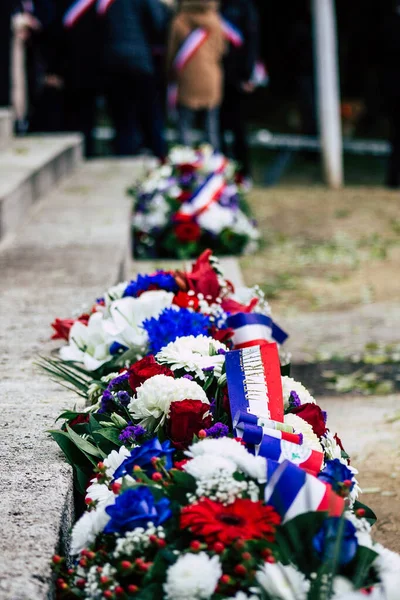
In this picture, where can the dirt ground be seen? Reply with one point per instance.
(332, 251)
(326, 250)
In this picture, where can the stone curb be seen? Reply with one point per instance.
(67, 254)
(6, 127)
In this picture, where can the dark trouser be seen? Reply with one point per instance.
(233, 119)
(186, 118)
(136, 112)
(80, 114)
(305, 92)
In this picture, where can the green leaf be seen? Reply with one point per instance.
(73, 455)
(370, 516)
(84, 445)
(111, 434)
(362, 565)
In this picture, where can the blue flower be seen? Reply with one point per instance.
(157, 281)
(172, 324)
(142, 455)
(325, 542)
(335, 473)
(135, 508)
(116, 348)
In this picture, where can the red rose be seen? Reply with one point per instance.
(187, 231)
(80, 419)
(313, 415)
(144, 369)
(62, 327)
(185, 195)
(186, 418)
(186, 168)
(183, 300)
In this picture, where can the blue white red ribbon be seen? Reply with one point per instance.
(232, 33)
(292, 491)
(254, 382)
(189, 48)
(204, 196)
(79, 8)
(253, 328)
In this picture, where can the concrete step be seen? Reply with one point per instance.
(72, 248)
(6, 127)
(29, 168)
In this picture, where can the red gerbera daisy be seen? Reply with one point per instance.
(218, 523)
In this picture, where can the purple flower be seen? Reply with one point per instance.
(187, 376)
(120, 380)
(218, 430)
(124, 397)
(107, 404)
(131, 433)
(294, 400)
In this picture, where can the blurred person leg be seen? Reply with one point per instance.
(186, 118)
(233, 119)
(122, 97)
(151, 115)
(80, 115)
(212, 128)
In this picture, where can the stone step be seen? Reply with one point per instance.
(6, 127)
(73, 247)
(29, 168)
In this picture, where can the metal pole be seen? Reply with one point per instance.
(328, 95)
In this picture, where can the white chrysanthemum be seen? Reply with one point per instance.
(310, 439)
(115, 460)
(283, 582)
(290, 385)
(154, 398)
(387, 565)
(127, 315)
(193, 577)
(206, 466)
(253, 466)
(88, 344)
(88, 527)
(99, 493)
(193, 354)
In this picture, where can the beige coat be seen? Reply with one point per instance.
(201, 80)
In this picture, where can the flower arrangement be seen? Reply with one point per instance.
(191, 202)
(207, 471)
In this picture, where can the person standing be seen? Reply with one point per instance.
(242, 18)
(131, 27)
(195, 51)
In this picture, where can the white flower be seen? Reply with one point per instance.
(156, 215)
(193, 577)
(180, 155)
(243, 226)
(388, 566)
(243, 596)
(282, 582)
(310, 439)
(253, 466)
(87, 344)
(154, 397)
(99, 492)
(128, 314)
(216, 218)
(341, 587)
(115, 460)
(115, 292)
(207, 466)
(193, 355)
(331, 447)
(290, 385)
(363, 528)
(87, 528)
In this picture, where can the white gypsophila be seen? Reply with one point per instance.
(387, 565)
(88, 527)
(216, 218)
(93, 589)
(137, 541)
(127, 316)
(253, 466)
(193, 577)
(88, 344)
(290, 385)
(363, 529)
(193, 354)
(282, 582)
(214, 479)
(331, 448)
(154, 397)
(310, 439)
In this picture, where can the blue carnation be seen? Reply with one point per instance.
(325, 542)
(135, 508)
(172, 324)
(157, 281)
(142, 455)
(335, 473)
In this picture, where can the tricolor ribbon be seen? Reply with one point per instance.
(189, 48)
(79, 8)
(251, 329)
(254, 382)
(292, 491)
(203, 197)
(232, 33)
